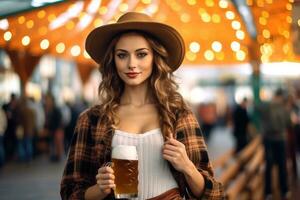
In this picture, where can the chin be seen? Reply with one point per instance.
(134, 82)
(131, 83)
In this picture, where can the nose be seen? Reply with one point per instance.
(132, 62)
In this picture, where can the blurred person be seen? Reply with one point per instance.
(275, 121)
(297, 119)
(69, 128)
(3, 125)
(208, 118)
(10, 139)
(66, 119)
(240, 125)
(80, 104)
(76, 107)
(66, 114)
(53, 125)
(139, 106)
(291, 133)
(39, 120)
(228, 116)
(25, 130)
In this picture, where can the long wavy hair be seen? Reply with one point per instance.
(169, 102)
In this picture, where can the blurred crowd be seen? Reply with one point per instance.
(242, 116)
(278, 125)
(29, 128)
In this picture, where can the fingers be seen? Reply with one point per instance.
(107, 182)
(105, 170)
(173, 141)
(168, 158)
(170, 147)
(174, 150)
(170, 153)
(174, 145)
(106, 178)
(105, 173)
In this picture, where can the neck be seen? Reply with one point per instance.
(137, 95)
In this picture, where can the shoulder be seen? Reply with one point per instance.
(91, 125)
(90, 115)
(187, 117)
(187, 120)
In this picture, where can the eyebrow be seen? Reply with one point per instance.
(135, 50)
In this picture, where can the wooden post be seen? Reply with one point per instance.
(255, 61)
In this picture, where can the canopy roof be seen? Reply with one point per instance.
(214, 31)
(12, 7)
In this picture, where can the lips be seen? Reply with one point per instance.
(132, 74)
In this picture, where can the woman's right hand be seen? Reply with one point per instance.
(106, 179)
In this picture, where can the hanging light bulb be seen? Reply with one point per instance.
(60, 47)
(7, 35)
(44, 44)
(26, 40)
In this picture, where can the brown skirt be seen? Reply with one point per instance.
(172, 194)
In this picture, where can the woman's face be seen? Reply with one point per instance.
(133, 58)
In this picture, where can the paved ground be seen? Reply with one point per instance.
(38, 180)
(220, 141)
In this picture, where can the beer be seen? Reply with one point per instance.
(125, 166)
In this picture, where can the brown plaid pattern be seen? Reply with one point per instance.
(91, 148)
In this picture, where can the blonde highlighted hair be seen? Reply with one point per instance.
(169, 102)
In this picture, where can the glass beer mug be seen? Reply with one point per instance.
(125, 166)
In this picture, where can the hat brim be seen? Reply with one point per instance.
(99, 39)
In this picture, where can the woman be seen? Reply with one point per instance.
(139, 106)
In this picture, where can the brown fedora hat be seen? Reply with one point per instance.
(98, 40)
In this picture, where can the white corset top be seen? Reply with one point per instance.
(154, 174)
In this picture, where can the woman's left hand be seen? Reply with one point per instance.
(174, 152)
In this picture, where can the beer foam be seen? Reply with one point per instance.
(124, 152)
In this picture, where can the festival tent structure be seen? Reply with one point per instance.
(215, 31)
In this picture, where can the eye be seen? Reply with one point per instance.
(142, 54)
(121, 55)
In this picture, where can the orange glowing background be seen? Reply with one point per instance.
(213, 30)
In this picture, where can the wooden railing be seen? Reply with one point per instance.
(242, 173)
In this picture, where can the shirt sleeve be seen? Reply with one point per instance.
(189, 133)
(81, 168)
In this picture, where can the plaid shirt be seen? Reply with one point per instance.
(91, 148)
